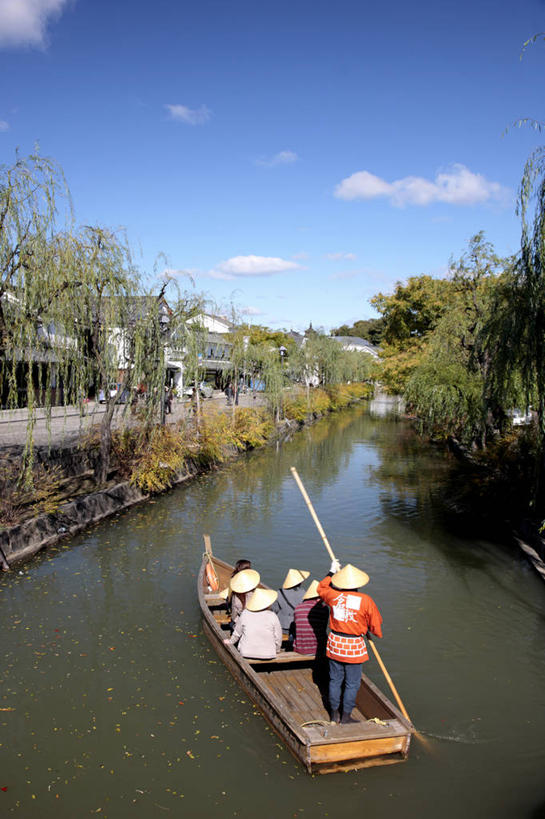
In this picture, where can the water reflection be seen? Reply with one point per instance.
(123, 710)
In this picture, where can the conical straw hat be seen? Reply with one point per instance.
(294, 577)
(261, 599)
(244, 581)
(312, 591)
(350, 578)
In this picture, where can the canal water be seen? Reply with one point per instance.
(112, 702)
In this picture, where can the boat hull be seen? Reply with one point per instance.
(288, 694)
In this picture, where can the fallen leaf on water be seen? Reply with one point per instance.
(190, 754)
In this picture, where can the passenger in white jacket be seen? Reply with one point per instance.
(258, 630)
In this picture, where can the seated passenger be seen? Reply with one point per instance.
(240, 585)
(311, 616)
(289, 596)
(258, 630)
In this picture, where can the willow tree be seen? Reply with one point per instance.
(36, 289)
(110, 323)
(194, 334)
(267, 364)
(449, 389)
(240, 356)
(516, 331)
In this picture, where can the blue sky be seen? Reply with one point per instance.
(295, 157)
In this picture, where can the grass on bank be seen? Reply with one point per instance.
(152, 457)
(166, 451)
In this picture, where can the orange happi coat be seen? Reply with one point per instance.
(351, 613)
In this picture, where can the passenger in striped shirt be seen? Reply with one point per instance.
(311, 616)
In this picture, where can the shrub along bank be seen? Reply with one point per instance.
(147, 460)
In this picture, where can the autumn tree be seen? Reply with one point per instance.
(448, 390)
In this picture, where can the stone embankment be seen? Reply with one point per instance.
(22, 541)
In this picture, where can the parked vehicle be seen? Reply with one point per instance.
(520, 418)
(113, 391)
(205, 391)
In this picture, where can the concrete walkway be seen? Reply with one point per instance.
(67, 425)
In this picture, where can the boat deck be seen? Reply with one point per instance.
(291, 691)
(300, 685)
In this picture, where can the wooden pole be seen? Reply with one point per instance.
(312, 512)
(373, 646)
(389, 680)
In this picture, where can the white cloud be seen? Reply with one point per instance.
(455, 186)
(191, 116)
(281, 158)
(24, 22)
(301, 255)
(4, 126)
(342, 255)
(251, 266)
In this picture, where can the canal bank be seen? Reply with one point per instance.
(210, 444)
(115, 705)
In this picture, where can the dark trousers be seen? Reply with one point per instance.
(350, 675)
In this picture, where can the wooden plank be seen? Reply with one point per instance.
(288, 695)
(357, 764)
(373, 699)
(285, 657)
(309, 694)
(358, 749)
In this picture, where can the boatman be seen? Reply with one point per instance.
(352, 615)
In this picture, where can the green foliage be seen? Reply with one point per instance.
(370, 329)
(73, 313)
(396, 365)
(413, 309)
(258, 334)
(500, 477)
(298, 407)
(448, 388)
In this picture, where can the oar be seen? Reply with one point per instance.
(373, 646)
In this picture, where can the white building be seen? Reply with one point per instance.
(361, 345)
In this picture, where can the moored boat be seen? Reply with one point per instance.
(291, 693)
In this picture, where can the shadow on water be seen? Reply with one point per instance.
(538, 812)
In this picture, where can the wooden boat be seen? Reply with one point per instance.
(290, 693)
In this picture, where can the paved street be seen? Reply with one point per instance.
(67, 425)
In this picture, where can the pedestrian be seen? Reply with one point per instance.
(352, 615)
(310, 620)
(168, 401)
(229, 392)
(289, 596)
(257, 630)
